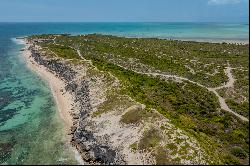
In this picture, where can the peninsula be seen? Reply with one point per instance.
(147, 100)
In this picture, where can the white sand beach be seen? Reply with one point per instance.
(63, 99)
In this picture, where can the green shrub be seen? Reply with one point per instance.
(239, 152)
(149, 140)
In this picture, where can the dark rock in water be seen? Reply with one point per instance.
(22, 49)
(20, 37)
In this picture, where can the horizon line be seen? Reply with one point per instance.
(245, 22)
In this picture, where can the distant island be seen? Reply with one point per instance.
(147, 100)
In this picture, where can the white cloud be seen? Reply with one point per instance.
(223, 2)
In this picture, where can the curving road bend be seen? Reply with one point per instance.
(221, 100)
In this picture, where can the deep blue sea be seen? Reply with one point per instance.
(30, 128)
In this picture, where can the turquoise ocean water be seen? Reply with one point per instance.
(30, 128)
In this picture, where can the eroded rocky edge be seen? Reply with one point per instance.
(98, 132)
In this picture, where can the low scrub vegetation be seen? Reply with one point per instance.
(190, 107)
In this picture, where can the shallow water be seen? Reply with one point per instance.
(30, 128)
(31, 131)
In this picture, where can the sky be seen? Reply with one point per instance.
(124, 10)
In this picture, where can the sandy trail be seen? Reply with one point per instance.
(231, 79)
(221, 100)
(229, 84)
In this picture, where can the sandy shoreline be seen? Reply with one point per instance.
(63, 99)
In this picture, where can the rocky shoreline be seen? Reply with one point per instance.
(90, 148)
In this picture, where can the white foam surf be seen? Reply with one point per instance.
(18, 41)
